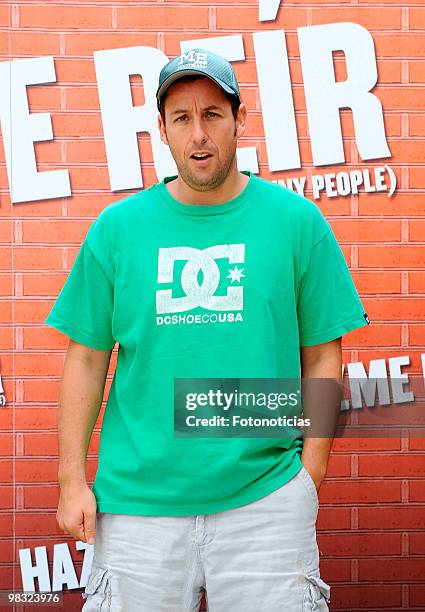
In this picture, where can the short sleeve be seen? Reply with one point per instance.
(84, 307)
(328, 303)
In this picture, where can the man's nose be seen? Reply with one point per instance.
(199, 133)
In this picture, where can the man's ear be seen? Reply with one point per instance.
(162, 130)
(241, 120)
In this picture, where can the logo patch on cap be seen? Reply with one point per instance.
(192, 59)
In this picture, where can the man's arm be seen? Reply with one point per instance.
(320, 361)
(81, 393)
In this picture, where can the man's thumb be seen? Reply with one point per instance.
(90, 528)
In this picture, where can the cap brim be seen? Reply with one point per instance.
(177, 75)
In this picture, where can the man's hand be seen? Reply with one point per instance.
(317, 474)
(319, 361)
(76, 513)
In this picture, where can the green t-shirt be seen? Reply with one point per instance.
(229, 290)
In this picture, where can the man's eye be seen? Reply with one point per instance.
(211, 113)
(181, 117)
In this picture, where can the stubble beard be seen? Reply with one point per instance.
(196, 181)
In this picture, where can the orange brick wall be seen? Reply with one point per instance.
(371, 521)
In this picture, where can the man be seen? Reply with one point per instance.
(212, 273)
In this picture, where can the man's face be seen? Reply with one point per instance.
(199, 119)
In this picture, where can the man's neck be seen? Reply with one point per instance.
(227, 191)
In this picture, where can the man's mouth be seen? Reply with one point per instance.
(200, 157)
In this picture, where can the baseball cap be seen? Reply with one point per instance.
(198, 61)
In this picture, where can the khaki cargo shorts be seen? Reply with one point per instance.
(261, 557)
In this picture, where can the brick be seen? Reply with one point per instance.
(409, 152)
(36, 470)
(71, 71)
(65, 231)
(357, 596)
(416, 178)
(6, 258)
(41, 444)
(374, 19)
(48, 155)
(416, 543)
(36, 497)
(6, 444)
(399, 569)
(40, 390)
(391, 517)
(391, 256)
(156, 18)
(5, 311)
(333, 518)
(416, 19)
(416, 335)
(404, 44)
(35, 418)
(417, 487)
(38, 208)
(373, 282)
(82, 99)
(408, 98)
(416, 71)
(417, 439)
(37, 258)
(6, 551)
(391, 465)
(33, 44)
(36, 524)
(7, 503)
(31, 311)
(335, 570)
(8, 581)
(6, 524)
(65, 17)
(84, 178)
(246, 18)
(417, 123)
(355, 230)
(417, 595)
(5, 231)
(406, 204)
(77, 124)
(393, 309)
(4, 15)
(51, 286)
(6, 417)
(93, 151)
(338, 466)
(362, 544)
(85, 43)
(363, 445)
(6, 339)
(360, 491)
(90, 205)
(417, 230)
(6, 284)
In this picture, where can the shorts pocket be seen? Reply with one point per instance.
(309, 482)
(98, 591)
(316, 594)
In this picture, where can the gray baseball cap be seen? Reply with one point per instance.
(198, 61)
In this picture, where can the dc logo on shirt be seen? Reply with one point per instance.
(200, 293)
